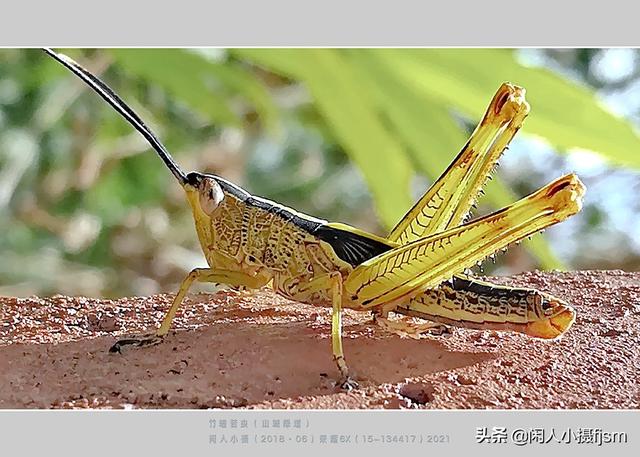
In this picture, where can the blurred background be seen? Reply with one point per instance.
(350, 135)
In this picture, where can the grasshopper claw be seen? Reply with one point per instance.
(347, 384)
(439, 330)
(138, 341)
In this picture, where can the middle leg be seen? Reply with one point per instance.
(331, 282)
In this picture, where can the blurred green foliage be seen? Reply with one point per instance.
(86, 208)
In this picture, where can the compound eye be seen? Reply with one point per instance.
(211, 196)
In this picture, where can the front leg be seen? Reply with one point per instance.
(232, 278)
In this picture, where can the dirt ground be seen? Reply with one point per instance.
(256, 350)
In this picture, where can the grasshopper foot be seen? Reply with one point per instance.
(138, 341)
(439, 330)
(345, 382)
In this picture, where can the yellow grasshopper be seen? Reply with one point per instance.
(417, 270)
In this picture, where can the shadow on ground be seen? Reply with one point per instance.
(218, 365)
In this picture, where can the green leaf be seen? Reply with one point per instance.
(244, 83)
(424, 124)
(126, 186)
(433, 137)
(286, 62)
(350, 111)
(541, 249)
(206, 86)
(421, 120)
(183, 75)
(566, 114)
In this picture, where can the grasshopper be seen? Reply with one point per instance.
(417, 270)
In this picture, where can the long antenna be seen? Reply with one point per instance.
(121, 107)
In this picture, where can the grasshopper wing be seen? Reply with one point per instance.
(352, 245)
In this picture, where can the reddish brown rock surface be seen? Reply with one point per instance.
(256, 350)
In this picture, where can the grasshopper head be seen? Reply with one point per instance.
(204, 193)
(549, 318)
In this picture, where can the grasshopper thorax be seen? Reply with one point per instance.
(209, 193)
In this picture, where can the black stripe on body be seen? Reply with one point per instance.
(484, 289)
(351, 247)
(305, 222)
